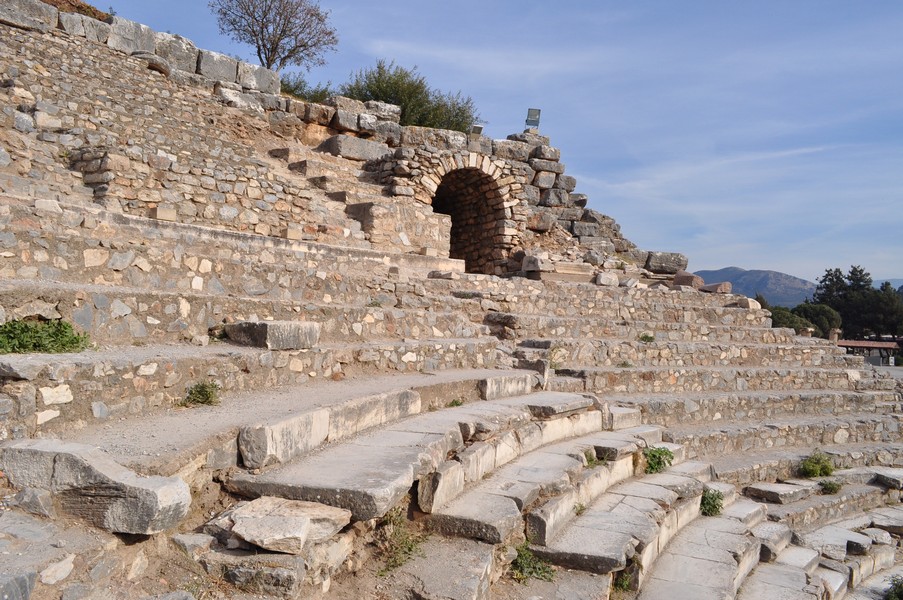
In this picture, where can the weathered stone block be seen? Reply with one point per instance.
(73, 23)
(29, 14)
(319, 113)
(440, 487)
(255, 77)
(684, 278)
(384, 111)
(287, 526)
(553, 197)
(566, 183)
(585, 229)
(178, 51)
(216, 66)
(346, 104)
(19, 586)
(607, 280)
(724, 287)
(512, 150)
(551, 166)
(344, 121)
(130, 37)
(96, 31)
(275, 335)
(442, 139)
(666, 262)
(544, 180)
(354, 148)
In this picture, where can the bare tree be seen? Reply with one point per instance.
(284, 32)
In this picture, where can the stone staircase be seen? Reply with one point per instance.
(372, 389)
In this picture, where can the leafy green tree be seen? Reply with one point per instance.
(420, 104)
(863, 309)
(783, 317)
(822, 316)
(296, 85)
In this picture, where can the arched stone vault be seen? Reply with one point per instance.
(482, 194)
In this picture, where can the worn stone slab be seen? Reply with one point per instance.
(287, 526)
(878, 536)
(778, 493)
(482, 516)
(661, 496)
(613, 449)
(551, 405)
(262, 445)
(589, 550)
(799, 557)
(275, 335)
(888, 518)
(354, 148)
(889, 477)
(684, 487)
(746, 511)
(120, 500)
(130, 37)
(29, 14)
(281, 575)
(624, 417)
(662, 589)
(666, 262)
(701, 471)
(774, 537)
(835, 542)
(433, 579)
(780, 582)
(255, 77)
(834, 582)
(630, 505)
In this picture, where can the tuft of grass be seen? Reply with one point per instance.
(657, 459)
(18, 337)
(829, 486)
(454, 403)
(204, 393)
(579, 508)
(895, 591)
(646, 338)
(712, 503)
(402, 542)
(529, 566)
(625, 364)
(593, 461)
(621, 582)
(817, 465)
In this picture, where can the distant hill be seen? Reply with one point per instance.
(779, 289)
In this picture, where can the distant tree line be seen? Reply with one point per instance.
(849, 302)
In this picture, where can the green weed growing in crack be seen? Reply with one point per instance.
(203, 393)
(817, 465)
(593, 461)
(579, 508)
(657, 459)
(529, 566)
(621, 582)
(402, 542)
(830, 486)
(17, 337)
(712, 503)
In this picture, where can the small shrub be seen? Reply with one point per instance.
(895, 591)
(712, 503)
(402, 543)
(204, 393)
(18, 337)
(829, 486)
(817, 465)
(529, 566)
(646, 338)
(657, 459)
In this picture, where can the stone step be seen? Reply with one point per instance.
(875, 586)
(743, 436)
(311, 168)
(709, 558)
(207, 438)
(746, 511)
(835, 583)
(341, 183)
(670, 410)
(774, 538)
(371, 473)
(821, 509)
(527, 327)
(351, 198)
(773, 580)
(608, 352)
(627, 527)
(799, 557)
(745, 468)
(640, 379)
(61, 392)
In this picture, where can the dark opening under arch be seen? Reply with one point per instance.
(472, 199)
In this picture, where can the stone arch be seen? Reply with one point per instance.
(472, 199)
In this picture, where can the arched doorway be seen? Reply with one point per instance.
(479, 219)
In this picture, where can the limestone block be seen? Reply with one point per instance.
(544, 180)
(29, 14)
(551, 166)
(216, 66)
(544, 152)
(666, 262)
(73, 23)
(130, 37)
(684, 278)
(154, 63)
(344, 120)
(346, 104)
(354, 148)
(388, 132)
(97, 31)
(367, 122)
(270, 574)
(778, 492)
(287, 526)
(275, 335)
(164, 213)
(318, 113)
(255, 77)
(440, 487)
(384, 111)
(749, 303)
(439, 138)
(494, 388)
(121, 501)
(553, 197)
(566, 183)
(585, 229)
(512, 150)
(607, 280)
(530, 137)
(724, 287)
(178, 51)
(239, 100)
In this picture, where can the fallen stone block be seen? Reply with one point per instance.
(725, 287)
(281, 575)
(88, 485)
(130, 37)
(688, 279)
(438, 488)
(29, 14)
(275, 335)
(778, 493)
(666, 263)
(353, 148)
(749, 303)
(288, 526)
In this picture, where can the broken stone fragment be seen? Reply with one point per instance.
(88, 485)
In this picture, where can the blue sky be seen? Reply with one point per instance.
(763, 135)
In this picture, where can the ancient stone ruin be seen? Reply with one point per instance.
(434, 364)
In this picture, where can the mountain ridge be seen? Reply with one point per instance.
(780, 289)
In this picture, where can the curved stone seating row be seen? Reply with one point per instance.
(64, 391)
(610, 352)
